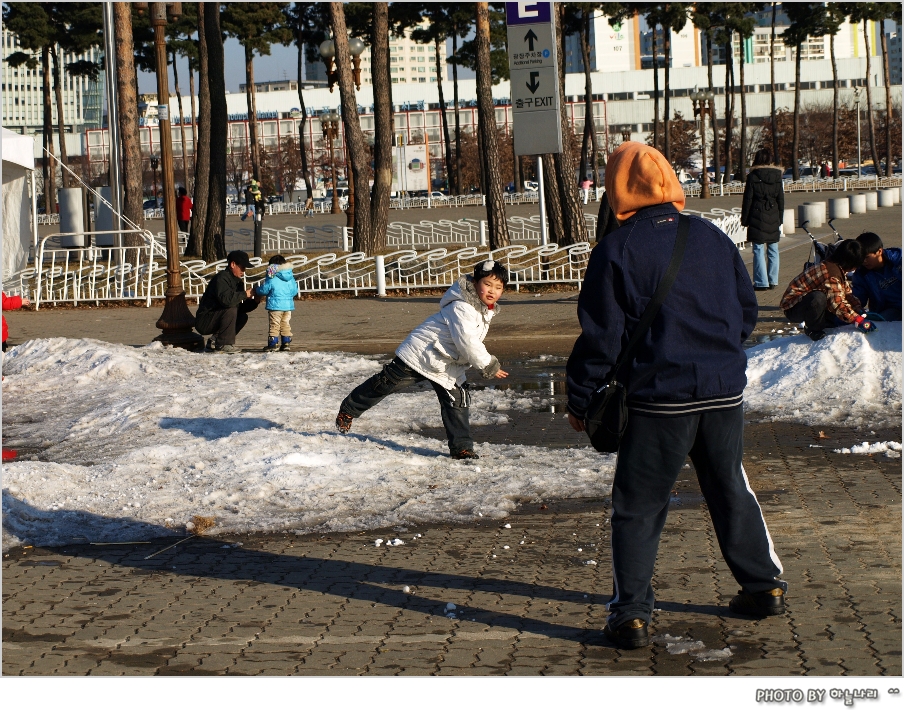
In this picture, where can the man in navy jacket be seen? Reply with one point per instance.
(877, 284)
(684, 386)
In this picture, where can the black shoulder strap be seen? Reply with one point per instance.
(646, 320)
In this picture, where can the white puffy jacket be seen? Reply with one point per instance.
(446, 344)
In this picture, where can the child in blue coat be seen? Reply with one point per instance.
(280, 288)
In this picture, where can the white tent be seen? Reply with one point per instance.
(17, 152)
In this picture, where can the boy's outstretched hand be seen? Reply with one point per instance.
(576, 423)
(501, 374)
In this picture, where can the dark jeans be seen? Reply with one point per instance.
(183, 225)
(652, 453)
(395, 375)
(225, 325)
(812, 311)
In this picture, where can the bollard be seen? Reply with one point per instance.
(858, 203)
(103, 219)
(788, 221)
(380, 265)
(821, 207)
(72, 216)
(872, 200)
(839, 208)
(811, 213)
(483, 232)
(886, 198)
(896, 194)
(345, 239)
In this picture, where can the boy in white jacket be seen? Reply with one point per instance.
(440, 350)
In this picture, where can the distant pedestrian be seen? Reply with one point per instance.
(183, 209)
(877, 283)
(309, 207)
(762, 212)
(280, 288)
(252, 196)
(224, 307)
(440, 350)
(684, 384)
(585, 188)
(822, 297)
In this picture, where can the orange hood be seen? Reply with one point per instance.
(638, 176)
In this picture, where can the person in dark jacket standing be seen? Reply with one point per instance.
(685, 388)
(224, 307)
(762, 212)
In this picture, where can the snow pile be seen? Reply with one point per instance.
(846, 378)
(892, 449)
(142, 439)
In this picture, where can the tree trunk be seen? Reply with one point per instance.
(486, 125)
(194, 122)
(49, 162)
(201, 194)
(181, 121)
(572, 208)
(656, 141)
(869, 103)
(382, 83)
(775, 154)
(742, 158)
(354, 137)
(589, 125)
(666, 138)
(715, 126)
(127, 88)
(303, 126)
(444, 118)
(795, 140)
(65, 179)
(214, 244)
(458, 187)
(251, 100)
(834, 107)
(729, 105)
(516, 166)
(888, 107)
(554, 216)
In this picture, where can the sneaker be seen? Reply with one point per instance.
(344, 422)
(759, 604)
(286, 340)
(464, 454)
(632, 633)
(211, 344)
(815, 334)
(228, 349)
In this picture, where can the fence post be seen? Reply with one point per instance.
(483, 200)
(380, 265)
(483, 232)
(345, 239)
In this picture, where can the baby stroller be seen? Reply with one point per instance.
(818, 251)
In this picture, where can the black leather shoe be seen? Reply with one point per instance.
(760, 288)
(632, 633)
(465, 454)
(759, 604)
(815, 335)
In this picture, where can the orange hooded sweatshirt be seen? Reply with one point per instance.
(638, 176)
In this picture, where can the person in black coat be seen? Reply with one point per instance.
(762, 212)
(224, 307)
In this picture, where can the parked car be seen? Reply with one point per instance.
(531, 185)
(805, 173)
(150, 204)
(437, 195)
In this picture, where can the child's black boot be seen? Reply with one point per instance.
(286, 339)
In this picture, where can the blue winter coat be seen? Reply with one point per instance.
(279, 289)
(880, 289)
(692, 358)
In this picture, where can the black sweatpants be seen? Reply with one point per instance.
(812, 310)
(395, 375)
(652, 453)
(225, 325)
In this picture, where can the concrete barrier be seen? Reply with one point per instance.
(886, 198)
(72, 216)
(872, 200)
(788, 221)
(810, 213)
(839, 208)
(821, 206)
(858, 203)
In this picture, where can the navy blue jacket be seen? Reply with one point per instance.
(692, 357)
(880, 289)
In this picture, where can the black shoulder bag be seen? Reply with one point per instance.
(607, 414)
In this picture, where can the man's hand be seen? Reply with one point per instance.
(576, 424)
(26, 302)
(501, 374)
(249, 291)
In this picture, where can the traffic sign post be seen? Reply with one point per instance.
(533, 65)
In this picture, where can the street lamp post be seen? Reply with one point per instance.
(626, 135)
(176, 321)
(328, 51)
(155, 163)
(702, 101)
(329, 124)
(859, 159)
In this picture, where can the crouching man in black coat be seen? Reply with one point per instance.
(684, 386)
(225, 305)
